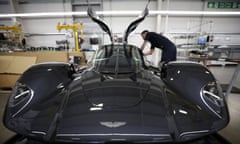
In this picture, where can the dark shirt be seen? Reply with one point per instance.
(169, 49)
(158, 41)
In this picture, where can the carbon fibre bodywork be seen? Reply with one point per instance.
(118, 99)
(51, 102)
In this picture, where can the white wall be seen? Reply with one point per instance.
(49, 6)
(225, 24)
(4, 9)
(119, 24)
(45, 25)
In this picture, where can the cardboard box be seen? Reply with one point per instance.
(11, 68)
(50, 56)
(15, 64)
(44, 56)
(8, 80)
(12, 65)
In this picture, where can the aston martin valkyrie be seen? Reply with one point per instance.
(118, 99)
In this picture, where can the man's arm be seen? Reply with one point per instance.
(144, 45)
(149, 52)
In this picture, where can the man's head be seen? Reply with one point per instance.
(144, 33)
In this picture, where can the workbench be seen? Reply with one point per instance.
(204, 59)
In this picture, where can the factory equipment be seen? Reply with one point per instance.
(15, 29)
(13, 35)
(75, 28)
(224, 51)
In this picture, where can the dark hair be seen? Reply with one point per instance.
(144, 31)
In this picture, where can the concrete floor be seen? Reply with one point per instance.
(4, 133)
(231, 132)
(222, 74)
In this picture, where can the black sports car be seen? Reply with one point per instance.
(118, 99)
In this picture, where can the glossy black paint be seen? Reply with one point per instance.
(36, 110)
(118, 99)
(141, 105)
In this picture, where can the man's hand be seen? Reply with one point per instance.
(148, 52)
(144, 45)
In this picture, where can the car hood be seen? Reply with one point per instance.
(104, 107)
(134, 107)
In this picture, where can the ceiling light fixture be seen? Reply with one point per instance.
(124, 13)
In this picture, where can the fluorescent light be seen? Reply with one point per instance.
(47, 14)
(195, 12)
(118, 13)
(122, 13)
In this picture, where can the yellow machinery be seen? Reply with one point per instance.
(75, 28)
(16, 29)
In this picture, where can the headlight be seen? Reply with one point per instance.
(212, 98)
(21, 97)
(22, 91)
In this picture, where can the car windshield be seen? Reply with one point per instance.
(118, 59)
